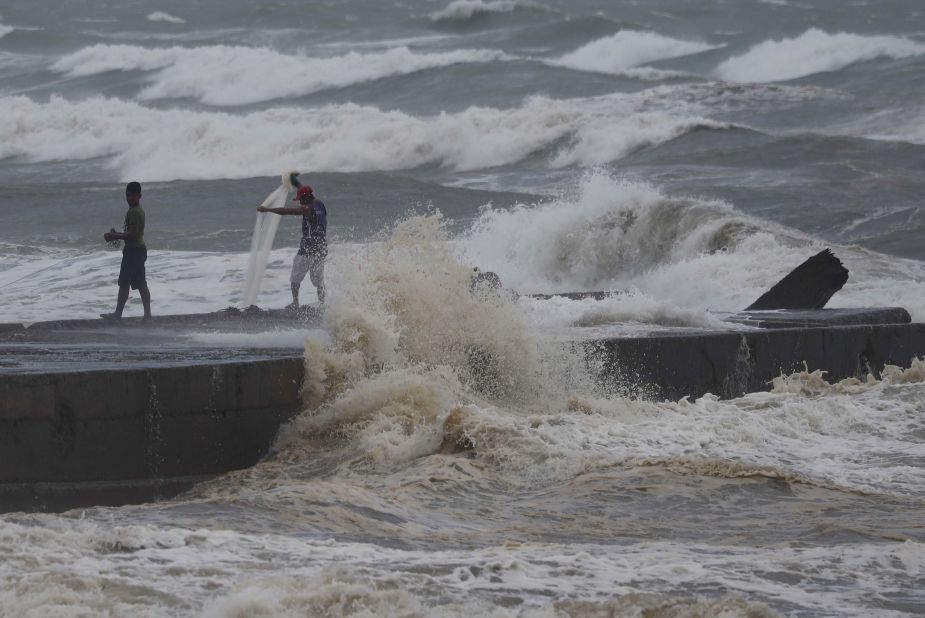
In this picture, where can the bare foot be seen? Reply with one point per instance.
(110, 316)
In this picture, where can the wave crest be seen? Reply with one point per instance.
(609, 232)
(224, 75)
(462, 10)
(815, 51)
(161, 16)
(167, 144)
(722, 468)
(626, 49)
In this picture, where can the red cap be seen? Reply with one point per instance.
(303, 190)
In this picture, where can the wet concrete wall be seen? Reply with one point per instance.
(78, 438)
(97, 437)
(731, 364)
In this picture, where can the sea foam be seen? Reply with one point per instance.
(814, 51)
(170, 569)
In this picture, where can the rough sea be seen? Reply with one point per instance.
(688, 152)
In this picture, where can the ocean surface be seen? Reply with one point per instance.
(688, 152)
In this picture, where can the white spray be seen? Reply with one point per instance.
(264, 234)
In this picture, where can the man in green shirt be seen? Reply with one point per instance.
(134, 253)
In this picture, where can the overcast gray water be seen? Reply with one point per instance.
(692, 152)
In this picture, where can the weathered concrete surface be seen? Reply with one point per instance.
(54, 497)
(576, 295)
(252, 316)
(81, 345)
(668, 367)
(144, 429)
(806, 318)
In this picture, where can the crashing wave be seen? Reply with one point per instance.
(610, 231)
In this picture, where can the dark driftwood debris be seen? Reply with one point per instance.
(809, 286)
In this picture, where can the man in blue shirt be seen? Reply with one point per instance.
(314, 246)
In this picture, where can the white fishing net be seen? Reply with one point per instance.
(262, 242)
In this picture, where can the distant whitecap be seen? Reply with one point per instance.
(814, 51)
(165, 17)
(461, 10)
(618, 53)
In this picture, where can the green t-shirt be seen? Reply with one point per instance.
(135, 217)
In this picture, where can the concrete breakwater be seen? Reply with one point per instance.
(128, 433)
(730, 364)
(79, 438)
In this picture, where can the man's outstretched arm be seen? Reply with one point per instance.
(286, 211)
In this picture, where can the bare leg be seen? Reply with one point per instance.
(317, 277)
(121, 300)
(145, 300)
(120, 304)
(295, 293)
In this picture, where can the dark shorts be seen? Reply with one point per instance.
(132, 271)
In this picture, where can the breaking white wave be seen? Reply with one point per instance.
(408, 371)
(684, 258)
(626, 49)
(164, 144)
(229, 75)
(5, 30)
(815, 51)
(601, 236)
(465, 9)
(398, 384)
(165, 17)
(603, 139)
